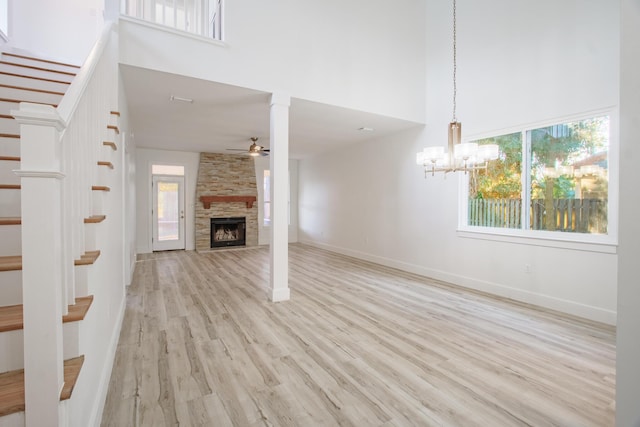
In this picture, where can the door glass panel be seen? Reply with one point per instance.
(168, 211)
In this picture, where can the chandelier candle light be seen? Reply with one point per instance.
(458, 156)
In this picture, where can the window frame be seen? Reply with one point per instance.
(606, 243)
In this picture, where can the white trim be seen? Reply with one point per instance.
(524, 127)
(570, 307)
(3, 36)
(177, 32)
(279, 294)
(549, 239)
(39, 174)
(99, 403)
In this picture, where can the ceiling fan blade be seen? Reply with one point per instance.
(235, 149)
(265, 149)
(263, 154)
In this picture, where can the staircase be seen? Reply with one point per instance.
(57, 297)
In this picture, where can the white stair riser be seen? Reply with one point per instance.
(98, 202)
(30, 96)
(10, 147)
(9, 125)
(34, 83)
(107, 154)
(82, 279)
(12, 353)
(11, 238)
(9, 203)
(7, 176)
(12, 346)
(41, 64)
(103, 175)
(11, 287)
(90, 231)
(15, 69)
(13, 420)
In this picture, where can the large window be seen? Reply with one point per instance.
(552, 178)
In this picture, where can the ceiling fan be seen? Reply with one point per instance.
(254, 149)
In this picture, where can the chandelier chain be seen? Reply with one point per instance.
(455, 64)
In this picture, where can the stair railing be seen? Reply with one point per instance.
(59, 150)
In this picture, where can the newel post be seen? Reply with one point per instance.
(42, 283)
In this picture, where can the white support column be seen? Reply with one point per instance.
(628, 326)
(42, 283)
(279, 165)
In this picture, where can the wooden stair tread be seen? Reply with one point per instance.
(114, 127)
(10, 158)
(6, 116)
(104, 163)
(12, 386)
(94, 219)
(6, 73)
(11, 317)
(51, 92)
(9, 135)
(110, 144)
(100, 188)
(11, 220)
(33, 67)
(72, 369)
(15, 55)
(17, 101)
(79, 310)
(9, 186)
(11, 263)
(115, 113)
(87, 258)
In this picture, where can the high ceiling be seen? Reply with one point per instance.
(223, 116)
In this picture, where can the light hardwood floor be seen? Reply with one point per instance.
(357, 345)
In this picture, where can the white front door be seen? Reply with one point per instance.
(168, 213)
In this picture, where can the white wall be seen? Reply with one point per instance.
(517, 64)
(362, 54)
(63, 29)
(144, 159)
(262, 164)
(628, 345)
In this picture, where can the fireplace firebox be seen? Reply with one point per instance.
(229, 231)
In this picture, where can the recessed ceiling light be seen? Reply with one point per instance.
(365, 129)
(180, 99)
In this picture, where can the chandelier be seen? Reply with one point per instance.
(457, 156)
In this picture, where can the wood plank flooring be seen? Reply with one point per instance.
(357, 345)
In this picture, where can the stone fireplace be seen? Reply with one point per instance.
(226, 188)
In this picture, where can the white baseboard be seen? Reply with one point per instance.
(597, 314)
(105, 377)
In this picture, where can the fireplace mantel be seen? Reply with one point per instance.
(207, 200)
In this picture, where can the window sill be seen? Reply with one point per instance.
(588, 243)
